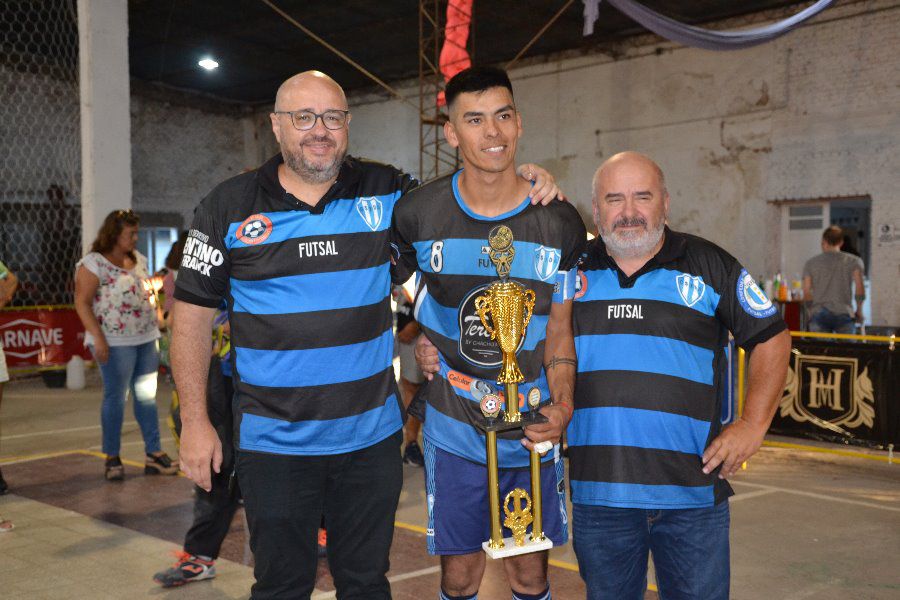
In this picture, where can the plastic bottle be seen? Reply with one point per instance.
(784, 290)
(768, 288)
(75, 373)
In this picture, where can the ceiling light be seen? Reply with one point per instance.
(208, 64)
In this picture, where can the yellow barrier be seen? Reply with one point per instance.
(741, 383)
(889, 339)
(38, 307)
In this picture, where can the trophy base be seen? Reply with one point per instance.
(510, 549)
(532, 417)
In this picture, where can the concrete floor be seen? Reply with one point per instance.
(805, 524)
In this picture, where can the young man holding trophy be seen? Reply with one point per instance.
(494, 294)
(299, 250)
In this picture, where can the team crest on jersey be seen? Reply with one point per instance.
(371, 210)
(546, 262)
(255, 229)
(751, 297)
(690, 287)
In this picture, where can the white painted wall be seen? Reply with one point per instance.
(105, 125)
(180, 153)
(813, 114)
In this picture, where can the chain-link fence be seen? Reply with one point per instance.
(40, 151)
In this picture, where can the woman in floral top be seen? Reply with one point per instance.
(113, 301)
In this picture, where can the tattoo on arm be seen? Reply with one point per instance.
(560, 360)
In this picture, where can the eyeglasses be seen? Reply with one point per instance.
(125, 215)
(304, 120)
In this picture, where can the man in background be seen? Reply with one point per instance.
(828, 282)
(411, 376)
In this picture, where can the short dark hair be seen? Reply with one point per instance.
(834, 235)
(476, 79)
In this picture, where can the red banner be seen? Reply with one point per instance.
(41, 337)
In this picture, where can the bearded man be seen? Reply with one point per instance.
(648, 455)
(299, 250)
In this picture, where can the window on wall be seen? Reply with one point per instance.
(157, 233)
(155, 243)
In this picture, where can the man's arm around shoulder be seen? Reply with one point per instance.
(201, 449)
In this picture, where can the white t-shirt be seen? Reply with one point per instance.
(122, 303)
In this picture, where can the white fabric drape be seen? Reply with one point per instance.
(699, 37)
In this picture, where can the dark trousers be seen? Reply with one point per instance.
(285, 498)
(214, 510)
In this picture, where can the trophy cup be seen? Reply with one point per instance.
(505, 308)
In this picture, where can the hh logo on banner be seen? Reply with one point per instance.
(828, 391)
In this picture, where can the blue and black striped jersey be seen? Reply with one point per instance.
(447, 243)
(651, 371)
(308, 292)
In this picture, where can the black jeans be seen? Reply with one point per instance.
(214, 510)
(285, 498)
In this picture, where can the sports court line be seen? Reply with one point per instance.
(408, 526)
(411, 527)
(394, 579)
(819, 496)
(748, 495)
(556, 563)
(125, 461)
(133, 443)
(19, 436)
(85, 452)
(14, 460)
(562, 564)
(835, 451)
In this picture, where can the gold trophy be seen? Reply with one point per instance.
(505, 310)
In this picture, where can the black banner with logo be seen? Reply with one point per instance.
(841, 391)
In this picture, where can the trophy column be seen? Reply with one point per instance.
(505, 308)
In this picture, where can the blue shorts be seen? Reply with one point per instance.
(457, 494)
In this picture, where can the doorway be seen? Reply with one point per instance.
(803, 222)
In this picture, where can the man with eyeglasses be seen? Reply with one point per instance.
(299, 249)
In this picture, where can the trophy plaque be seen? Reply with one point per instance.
(505, 309)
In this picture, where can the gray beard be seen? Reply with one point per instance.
(633, 246)
(310, 172)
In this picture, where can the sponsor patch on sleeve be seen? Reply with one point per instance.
(751, 297)
(565, 286)
(199, 255)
